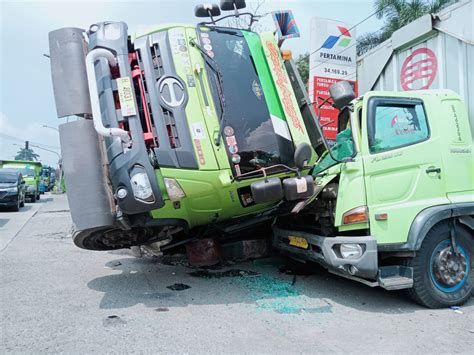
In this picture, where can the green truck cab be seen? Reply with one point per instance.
(31, 172)
(394, 201)
(174, 127)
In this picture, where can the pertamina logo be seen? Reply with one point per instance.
(342, 40)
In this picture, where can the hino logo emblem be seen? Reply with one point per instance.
(172, 92)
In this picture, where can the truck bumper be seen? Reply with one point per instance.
(326, 251)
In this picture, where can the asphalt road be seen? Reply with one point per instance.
(58, 298)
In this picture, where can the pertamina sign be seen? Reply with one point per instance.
(332, 59)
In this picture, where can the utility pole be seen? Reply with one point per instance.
(25, 152)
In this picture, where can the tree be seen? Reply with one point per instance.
(26, 154)
(302, 63)
(243, 22)
(397, 13)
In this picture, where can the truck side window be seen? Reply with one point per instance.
(395, 125)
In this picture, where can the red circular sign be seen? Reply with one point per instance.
(419, 70)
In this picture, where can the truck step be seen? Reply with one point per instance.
(395, 277)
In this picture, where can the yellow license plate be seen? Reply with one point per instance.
(299, 242)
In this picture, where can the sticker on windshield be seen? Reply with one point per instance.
(207, 47)
(231, 140)
(257, 90)
(237, 169)
(210, 54)
(233, 149)
(235, 158)
(206, 40)
(204, 35)
(228, 131)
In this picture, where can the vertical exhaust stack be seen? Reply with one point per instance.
(90, 198)
(67, 50)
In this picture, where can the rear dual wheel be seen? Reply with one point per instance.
(443, 276)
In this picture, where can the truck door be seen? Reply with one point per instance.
(402, 164)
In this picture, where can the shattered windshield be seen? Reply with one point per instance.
(249, 130)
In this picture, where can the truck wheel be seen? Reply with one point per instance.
(440, 277)
(33, 199)
(38, 196)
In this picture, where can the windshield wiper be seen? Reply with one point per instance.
(220, 86)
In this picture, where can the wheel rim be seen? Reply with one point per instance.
(448, 271)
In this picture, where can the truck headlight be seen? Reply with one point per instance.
(141, 185)
(175, 192)
(351, 251)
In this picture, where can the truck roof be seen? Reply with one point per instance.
(19, 162)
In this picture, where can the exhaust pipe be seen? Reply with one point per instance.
(94, 95)
(67, 50)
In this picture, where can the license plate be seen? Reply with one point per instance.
(299, 242)
(127, 102)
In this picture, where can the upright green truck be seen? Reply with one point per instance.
(394, 201)
(31, 172)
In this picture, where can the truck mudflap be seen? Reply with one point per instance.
(356, 263)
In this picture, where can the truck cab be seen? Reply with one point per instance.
(176, 128)
(395, 197)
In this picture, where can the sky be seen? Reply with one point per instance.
(27, 102)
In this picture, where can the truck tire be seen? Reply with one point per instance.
(441, 278)
(38, 196)
(33, 199)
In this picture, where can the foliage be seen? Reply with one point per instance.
(302, 63)
(243, 22)
(397, 13)
(26, 154)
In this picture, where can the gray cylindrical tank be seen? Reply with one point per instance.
(67, 50)
(86, 184)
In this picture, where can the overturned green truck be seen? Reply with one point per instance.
(181, 127)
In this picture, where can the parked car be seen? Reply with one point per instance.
(12, 189)
(31, 172)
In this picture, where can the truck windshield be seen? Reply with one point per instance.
(248, 132)
(27, 172)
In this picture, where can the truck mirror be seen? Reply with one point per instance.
(207, 10)
(267, 190)
(229, 5)
(342, 93)
(302, 155)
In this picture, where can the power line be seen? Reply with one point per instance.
(6, 136)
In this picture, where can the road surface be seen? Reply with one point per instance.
(58, 298)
